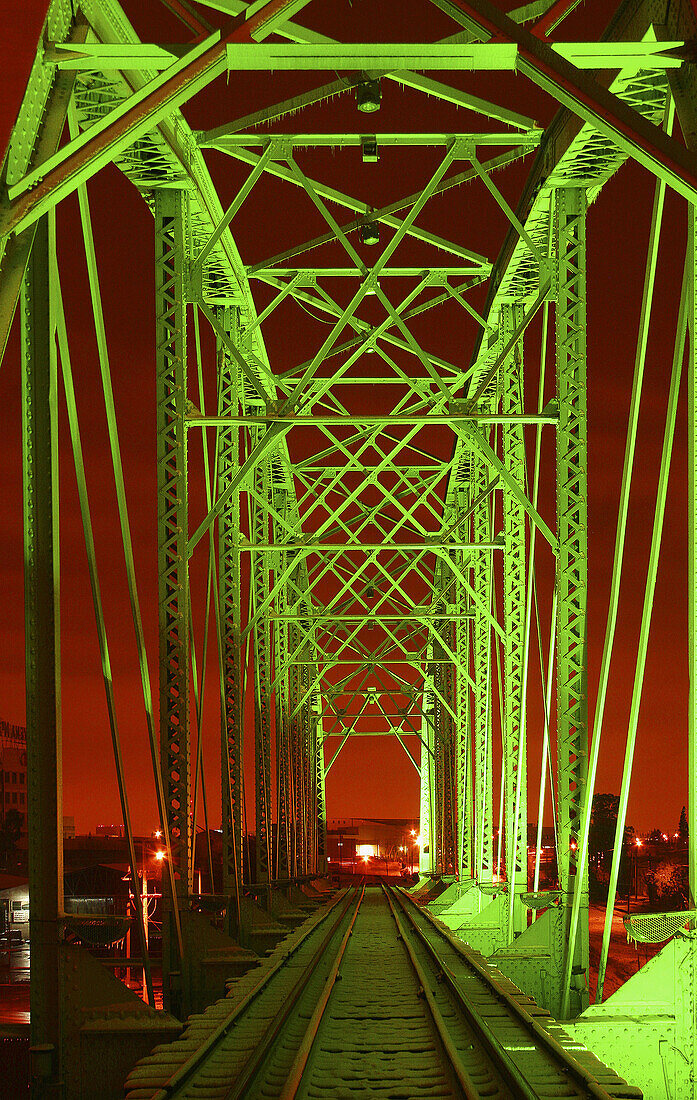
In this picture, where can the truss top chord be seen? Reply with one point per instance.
(445, 56)
(294, 141)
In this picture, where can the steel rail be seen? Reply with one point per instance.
(294, 1078)
(255, 1063)
(468, 1086)
(538, 1034)
(194, 1061)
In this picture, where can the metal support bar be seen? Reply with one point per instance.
(173, 584)
(42, 628)
(646, 613)
(514, 747)
(572, 559)
(228, 459)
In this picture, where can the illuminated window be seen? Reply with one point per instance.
(365, 850)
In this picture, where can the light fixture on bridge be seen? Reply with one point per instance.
(369, 149)
(369, 232)
(368, 96)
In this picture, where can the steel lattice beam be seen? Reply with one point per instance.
(572, 559)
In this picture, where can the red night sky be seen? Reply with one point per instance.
(371, 777)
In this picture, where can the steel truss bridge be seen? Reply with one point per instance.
(370, 515)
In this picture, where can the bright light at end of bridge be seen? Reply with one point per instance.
(160, 855)
(639, 843)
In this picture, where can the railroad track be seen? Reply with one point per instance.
(372, 998)
(527, 1049)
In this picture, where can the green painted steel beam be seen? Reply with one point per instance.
(457, 56)
(107, 57)
(384, 140)
(583, 95)
(367, 547)
(456, 180)
(307, 276)
(86, 154)
(382, 617)
(415, 661)
(200, 421)
(40, 475)
(281, 171)
(572, 561)
(514, 593)
(338, 57)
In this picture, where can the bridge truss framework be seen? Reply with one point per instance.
(388, 577)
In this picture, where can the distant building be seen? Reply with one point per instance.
(13, 770)
(109, 830)
(14, 904)
(352, 838)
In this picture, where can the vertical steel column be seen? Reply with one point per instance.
(262, 672)
(172, 532)
(229, 394)
(428, 751)
(282, 674)
(514, 586)
(449, 740)
(42, 626)
(307, 779)
(572, 557)
(481, 650)
(320, 796)
(692, 558)
(294, 778)
(438, 798)
(465, 845)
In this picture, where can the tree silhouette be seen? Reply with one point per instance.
(683, 828)
(603, 823)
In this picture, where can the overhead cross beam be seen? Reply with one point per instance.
(86, 154)
(664, 156)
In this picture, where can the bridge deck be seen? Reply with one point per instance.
(371, 998)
